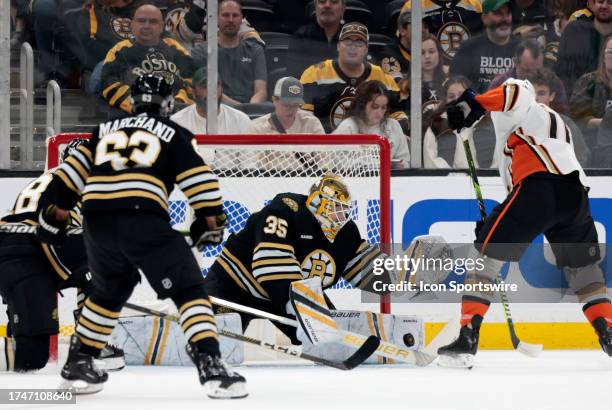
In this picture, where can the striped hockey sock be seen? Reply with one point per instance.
(198, 323)
(95, 326)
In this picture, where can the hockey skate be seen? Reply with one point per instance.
(218, 380)
(112, 358)
(605, 334)
(80, 374)
(462, 351)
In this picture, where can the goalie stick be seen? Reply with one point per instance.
(386, 349)
(528, 349)
(365, 351)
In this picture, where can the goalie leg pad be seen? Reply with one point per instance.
(404, 331)
(149, 340)
(311, 309)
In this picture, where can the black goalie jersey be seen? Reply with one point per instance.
(132, 164)
(283, 243)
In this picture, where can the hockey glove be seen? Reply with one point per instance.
(455, 117)
(50, 230)
(472, 110)
(202, 234)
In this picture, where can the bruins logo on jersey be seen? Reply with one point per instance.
(121, 27)
(319, 263)
(291, 204)
(451, 35)
(340, 110)
(391, 66)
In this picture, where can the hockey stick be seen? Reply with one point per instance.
(365, 351)
(528, 349)
(386, 349)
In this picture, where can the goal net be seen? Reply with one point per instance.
(252, 169)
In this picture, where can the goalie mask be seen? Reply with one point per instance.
(329, 202)
(152, 95)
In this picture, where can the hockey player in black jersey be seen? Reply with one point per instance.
(292, 238)
(125, 174)
(33, 273)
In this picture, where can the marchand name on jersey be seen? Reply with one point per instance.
(163, 131)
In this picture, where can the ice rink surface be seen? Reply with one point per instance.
(500, 380)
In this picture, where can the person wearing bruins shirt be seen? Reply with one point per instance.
(292, 238)
(147, 53)
(125, 174)
(452, 22)
(32, 274)
(329, 86)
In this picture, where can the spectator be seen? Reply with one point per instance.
(229, 121)
(242, 63)
(481, 58)
(441, 146)
(451, 22)
(603, 148)
(581, 42)
(92, 32)
(287, 117)
(395, 58)
(193, 117)
(528, 59)
(55, 43)
(187, 23)
(532, 13)
(583, 13)
(148, 53)
(19, 15)
(432, 70)
(593, 94)
(329, 87)
(369, 114)
(316, 41)
(544, 81)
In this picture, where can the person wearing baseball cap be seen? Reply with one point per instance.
(482, 57)
(287, 117)
(193, 117)
(329, 86)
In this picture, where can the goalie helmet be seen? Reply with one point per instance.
(71, 147)
(329, 201)
(152, 95)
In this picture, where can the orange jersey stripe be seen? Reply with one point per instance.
(499, 218)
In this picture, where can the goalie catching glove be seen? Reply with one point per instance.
(50, 229)
(465, 111)
(207, 230)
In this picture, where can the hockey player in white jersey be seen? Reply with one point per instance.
(547, 194)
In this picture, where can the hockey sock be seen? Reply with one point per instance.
(96, 323)
(7, 356)
(598, 308)
(198, 319)
(472, 306)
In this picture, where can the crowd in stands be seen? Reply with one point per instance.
(335, 66)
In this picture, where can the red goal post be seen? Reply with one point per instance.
(254, 168)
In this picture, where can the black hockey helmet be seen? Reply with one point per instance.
(71, 147)
(152, 95)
